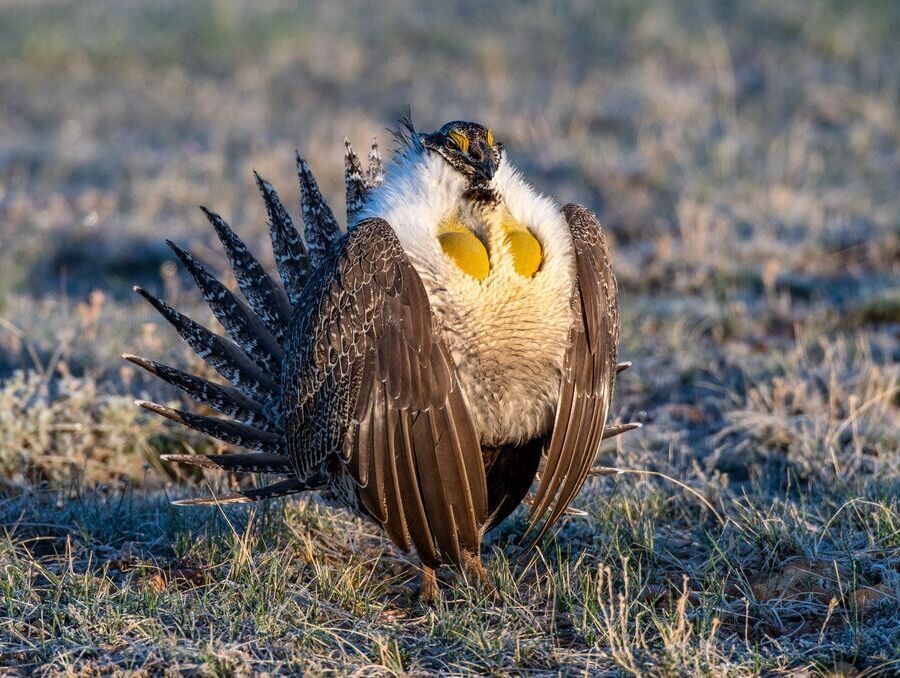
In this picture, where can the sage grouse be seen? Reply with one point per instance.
(419, 367)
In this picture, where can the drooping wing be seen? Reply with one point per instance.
(369, 388)
(589, 373)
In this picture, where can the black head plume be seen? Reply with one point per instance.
(405, 134)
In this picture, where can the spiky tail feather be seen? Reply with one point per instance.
(239, 463)
(354, 181)
(279, 489)
(358, 182)
(257, 327)
(613, 431)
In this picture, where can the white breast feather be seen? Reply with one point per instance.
(507, 334)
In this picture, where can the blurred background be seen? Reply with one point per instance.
(744, 159)
(742, 156)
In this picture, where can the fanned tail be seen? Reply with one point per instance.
(257, 325)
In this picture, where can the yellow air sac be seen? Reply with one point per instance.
(467, 251)
(525, 249)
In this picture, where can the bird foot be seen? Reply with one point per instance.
(429, 592)
(473, 571)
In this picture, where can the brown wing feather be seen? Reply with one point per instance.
(372, 383)
(589, 374)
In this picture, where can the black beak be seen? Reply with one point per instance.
(486, 168)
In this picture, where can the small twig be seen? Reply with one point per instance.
(849, 502)
(29, 346)
(612, 471)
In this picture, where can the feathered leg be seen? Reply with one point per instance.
(429, 593)
(473, 571)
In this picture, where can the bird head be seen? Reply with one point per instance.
(469, 148)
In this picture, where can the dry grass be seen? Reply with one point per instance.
(744, 157)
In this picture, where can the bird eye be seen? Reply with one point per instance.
(460, 139)
(489, 137)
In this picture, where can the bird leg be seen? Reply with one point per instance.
(473, 570)
(429, 593)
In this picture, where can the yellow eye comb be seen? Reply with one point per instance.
(489, 137)
(460, 139)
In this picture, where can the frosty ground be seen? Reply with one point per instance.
(744, 160)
